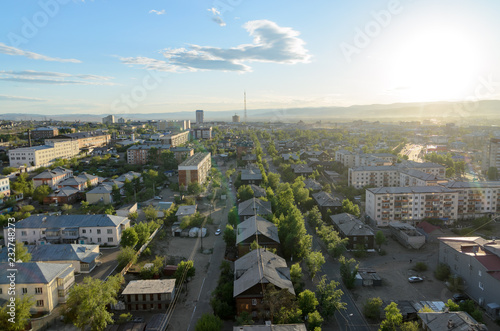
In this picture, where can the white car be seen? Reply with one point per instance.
(217, 232)
(158, 197)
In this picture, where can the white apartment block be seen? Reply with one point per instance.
(347, 158)
(494, 153)
(4, 186)
(476, 199)
(388, 204)
(390, 176)
(71, 229)
(377, 176)
(44, 155)
(47, 283)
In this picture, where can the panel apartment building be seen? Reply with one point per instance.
(44, 132)
(44, 155)
(404, 174)
(85, 139)
(195, 169)
(177, 139)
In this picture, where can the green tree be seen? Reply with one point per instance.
(126, 255)
(371, 308)
(209, 322)
(21, 317)
(232, 217)
(142, 231)
(348, 271)
(452, 306)
(151, 213)
(129, 238)
(349, 207)
(115, 194)
(393, 318)
(229, 236)
(41, 192)
(133, 216)
(314, 321)
(380, 239)
(83, 308)
(307, 302)
(314, 261)
(185, 270)
(314, 217)
(492, 173)
(21, 253)
(194, 188)
(442, 272)
(244, 319)
(273, 180)
(296, 277)
(245, 192)
(168, 160)
(410, 326)
(329, 297)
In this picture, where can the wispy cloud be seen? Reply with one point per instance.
(9, 50)
(55, 78)
(157, 12)
(217, 17)
(271, 43)
(16, 98)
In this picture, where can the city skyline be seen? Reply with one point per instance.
(95, 57)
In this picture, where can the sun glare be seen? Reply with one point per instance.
(435, 64)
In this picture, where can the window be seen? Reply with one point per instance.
(110, 239)
(479, 272)
(38, 290)
(254, 302)
(481, 286)
(23, 233)
(98, 240)
(25, 290)
(110, 231)
(84, 231)
(60, 293)
(39, 303)
(98, 231)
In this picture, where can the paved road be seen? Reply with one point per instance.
(213, 273)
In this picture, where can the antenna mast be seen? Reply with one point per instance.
(245, 102)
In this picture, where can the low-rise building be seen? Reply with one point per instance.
(327, 203)
(477, 262)
(52, 177)
(44, 132)
(4, 186)
(151, 294)
(71, 229)
(85, 139)
(256, 270)
(184, 211)
(48, 283)
(351, 227)
(195, 169)
(251, 176)
(253, 207)
(44, 155)
(65, 195)
(407, 235)
(101, 193)
(257, 229)
(449, 320)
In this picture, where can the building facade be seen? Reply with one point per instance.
(44, 132)
(52, 177)
(4, 186)
(202, 133)
(86, 139)
(195, 169)
(199, 117)
(43, 155)
(110, 119)
(175, 139)
(152, 294)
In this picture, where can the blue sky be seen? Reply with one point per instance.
(119, 57)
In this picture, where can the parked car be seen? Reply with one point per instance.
(158, 197)
(459, 297)
(415, 279)
(137, 320)
(217, 232)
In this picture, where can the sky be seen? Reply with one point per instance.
(159, 56)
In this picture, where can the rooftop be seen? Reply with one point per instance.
(70, 221)
(150, 286)
(34, 272)
(194, 160)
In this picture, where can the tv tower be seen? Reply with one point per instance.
(245, 102)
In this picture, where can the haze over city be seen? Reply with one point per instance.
(110, 57)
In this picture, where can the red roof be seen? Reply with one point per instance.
(490, 262)
(428, 227)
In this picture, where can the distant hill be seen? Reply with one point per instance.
(451, 111)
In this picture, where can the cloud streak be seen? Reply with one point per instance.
(9, 50)
(53, 78)
(271, 43)
(157, 12)
(16, 98)
(217, 17)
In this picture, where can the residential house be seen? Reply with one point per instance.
(325, 202)
(271, 327)
(477, 261)
(258, 192)
(151, 294)
(256, 229)
(351, 227)
(82, 258)
(65, 195)
(48, 283)
(312, 185)
(253, 207)
(70, 229)
(449, 320)
(251, 176)
(101, 193)
(253, 272)
(302, 170)
(184, 211)
(52, 177)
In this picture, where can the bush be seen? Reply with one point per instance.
(371, 308)
(420, 266)
(382, 252)
(442, 272)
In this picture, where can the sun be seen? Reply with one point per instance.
(435, 64)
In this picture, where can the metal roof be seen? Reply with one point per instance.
(257, 225)
(67, 221)
(34, 272)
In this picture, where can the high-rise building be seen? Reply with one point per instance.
(110, 119)
(494, 153)
(236, 118)
(199, 116)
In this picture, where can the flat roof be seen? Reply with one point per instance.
(195, 159)
(150, 286)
